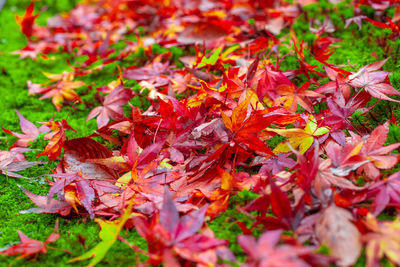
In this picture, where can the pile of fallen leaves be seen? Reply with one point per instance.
(207, 132)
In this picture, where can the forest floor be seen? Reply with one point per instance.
(358, 47)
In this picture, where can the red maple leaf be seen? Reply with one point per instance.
(373, 81)
(338, 83)
(45, 206)
(266, 251)
(27, 21)
(170, 235)
(12, 161)
(375, 152)
(385, 192)
(112, 106)
(30, 247)
(291, 96)
(30, 132)
(345, 159)
(84, 190)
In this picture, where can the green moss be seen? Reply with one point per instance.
(394, 134)
(225, 225)
(176, 53)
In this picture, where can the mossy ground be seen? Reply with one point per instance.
(356, 48)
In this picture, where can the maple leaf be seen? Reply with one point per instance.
(357, 20)
(281, 207)
(345, 159)
(28, 51)
(156, 200)
(201, 32)
(270, 80)
(83, 180)
(321, 48)
(35, 88)
(340, 112)
(81, 154)
(84, 191)
(112, 106)
(212, 60)
(305, 67)
(335, 229)
(170, 234)
(299, 138)
(383, 240)
(276, 164)
(312, 172)
(27, 21)
(266, 251)
(239, 114)
(57, 138)
(30, 247)
(385, 192)
(291, 96)
(338, 83)
(325, 26)
(374, 150)
(53, 206)
(30, 132)
(276, 25)
(151, 72)
(245, 124)
(62, 87)
(376, 4)
(287, 217)
(11, 162)
(135, 164)
(389, 25)
(368, 155)
(325, 178)
(372, 81)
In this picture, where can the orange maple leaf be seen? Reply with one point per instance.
(57, 138)
(291, 96)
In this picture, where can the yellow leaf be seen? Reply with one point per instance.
(71, 198)
(124, 180)
(164, 163)
(356, 150)
(312, 128)
(297, 138)
(225, 55)
(384, 240)
(226, 179)
(282, 148)
(52, 76)
(294, 132)
(196, 101)
(305, 144)
(227, 121)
